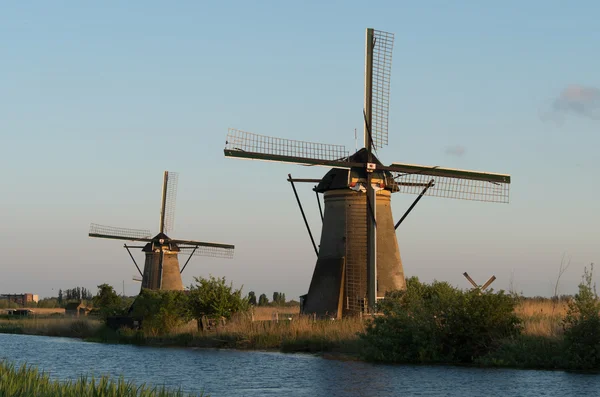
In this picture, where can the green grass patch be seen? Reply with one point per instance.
(527, 351)
(28, 381)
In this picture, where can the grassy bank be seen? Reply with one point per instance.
(538, 346)
(302, 334)
(541, 319)
(28, 381)
(52, 326)
(259, 332)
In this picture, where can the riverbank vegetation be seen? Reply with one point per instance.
(301, 334)
(439, 324)
(28, 381)
(426, 324)
(71, 327)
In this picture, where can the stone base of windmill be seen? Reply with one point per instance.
(338, 286)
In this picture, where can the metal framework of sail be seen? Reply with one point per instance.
(405, 178)
(167, 216)
(119, 233)
(243, 144)
(382, 45)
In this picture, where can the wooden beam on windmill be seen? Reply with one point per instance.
(476, 286)
(488, 283)
(358, 240)
(470, 280)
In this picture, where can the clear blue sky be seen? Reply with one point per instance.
(98, 99)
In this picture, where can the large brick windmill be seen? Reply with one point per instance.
(358, 259)
(161, 267)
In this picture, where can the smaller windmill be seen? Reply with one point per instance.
(161, 267)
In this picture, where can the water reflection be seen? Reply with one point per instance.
(234, 373)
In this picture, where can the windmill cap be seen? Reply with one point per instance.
(160, 239)
(338, 178)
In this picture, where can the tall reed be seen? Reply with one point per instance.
(542, 317)
(28, 381)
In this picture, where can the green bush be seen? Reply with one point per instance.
(439, 323)
(212, 297)
(108, 303)
(161, 311)
(582, 326)
(527, 351)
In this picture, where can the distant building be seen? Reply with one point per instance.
(20, 299)
(76, 309)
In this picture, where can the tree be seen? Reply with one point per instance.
(263, 300)
(8, 304)
(60, 297)
(252, 298)
(278, 298)
(77, 293)
(48, 303)
(212, 297)
(107, 302)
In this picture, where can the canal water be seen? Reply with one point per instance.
(223, 373)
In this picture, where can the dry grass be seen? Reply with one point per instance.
(542, 317)
(60, 326)
(300, 334)
(39, 311)
(262, 313)
(283, 328)
(535, 307)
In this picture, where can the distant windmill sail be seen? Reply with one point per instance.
(169, 197)
(161, 267)
(358, 259)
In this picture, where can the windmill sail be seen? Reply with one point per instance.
(170, 196)
(209, 251)
(452, 183)
(119, 233)
(248, 145)
(378, 67)
(380, 90)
